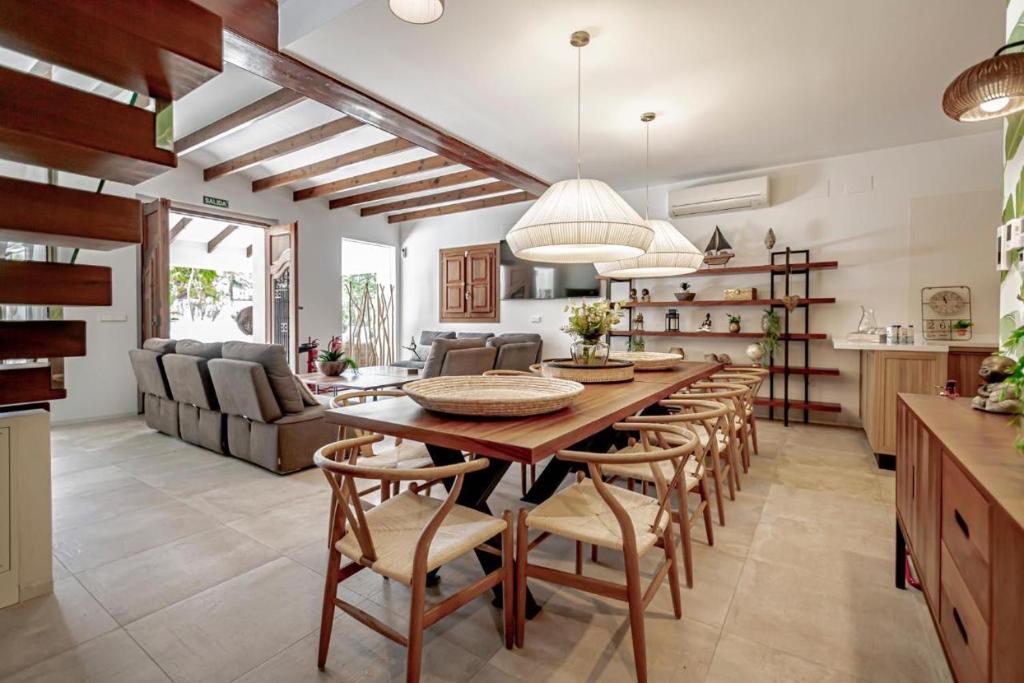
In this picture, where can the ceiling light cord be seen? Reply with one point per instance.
(647, 172)
(1008, 46)
(579, 112)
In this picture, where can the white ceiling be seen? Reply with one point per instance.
(736, 85)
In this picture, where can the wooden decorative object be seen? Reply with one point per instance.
(371, 319)
(493, 396)
(645, 361)
(565, 368)
(740, 294)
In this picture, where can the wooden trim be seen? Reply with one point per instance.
(40, 283)
(317, 85)
(257, 20)
(25, 383)
(464, 206)
(177, 229)
(203, 211)
(448, 180)
(273, 103)
(334, 163)
(212, 245)
(42, 339)
(439, 198)
(294, 143)
(408, 168)
(723, 302)
(60, 216)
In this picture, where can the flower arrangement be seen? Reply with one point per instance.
(332, 361)
(591, 321)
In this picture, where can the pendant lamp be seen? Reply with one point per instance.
(417, 11)
(670, 254)
(988, 90)
(579, 220)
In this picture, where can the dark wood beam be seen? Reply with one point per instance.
(176, 230)
(254, 19)
(306, 138)
(250, 113)
(54, 126)
(439, 198)
(419, 166)
(317, 85)
(460, 178)
(464, 206)
(42, 283)
(334, 163)
(26, 383)
(42, 339)
(61, 216)
(220, 237)
(164, 48)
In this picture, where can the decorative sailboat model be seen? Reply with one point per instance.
(719, 251)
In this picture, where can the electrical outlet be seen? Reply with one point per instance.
(535, 319)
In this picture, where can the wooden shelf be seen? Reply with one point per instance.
(813, 406)
(38, 283)
(766, 268)
(794, 336)
(42, 339)
(723, 302)
(27, 383)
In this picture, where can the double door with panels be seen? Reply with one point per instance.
(469, 283)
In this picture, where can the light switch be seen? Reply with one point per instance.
(535, 319)
(114, 318)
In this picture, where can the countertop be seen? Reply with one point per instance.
(922, 347)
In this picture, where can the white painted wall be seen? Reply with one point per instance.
(896, 219)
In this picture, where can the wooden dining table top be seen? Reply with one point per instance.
(528, 439)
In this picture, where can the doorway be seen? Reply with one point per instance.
(368, 301)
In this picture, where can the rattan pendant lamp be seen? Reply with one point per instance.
(579, 220)
(988, 90)
(670, 253)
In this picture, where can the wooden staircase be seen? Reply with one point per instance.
(162, 49)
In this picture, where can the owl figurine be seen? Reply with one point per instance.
(769, 239)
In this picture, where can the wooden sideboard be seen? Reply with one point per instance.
(960, 515)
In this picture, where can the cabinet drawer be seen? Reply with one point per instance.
(966, 528)
(964, 629)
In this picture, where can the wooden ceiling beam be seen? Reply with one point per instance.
(176, 230)
(220, 237)
(460, 178)
(294, 143)
(334, 163)
(439, 198)
(276, 101)
(418, 166)
(316, 85)
(447, 209)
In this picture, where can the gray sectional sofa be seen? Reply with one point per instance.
(512, 351)
(234, 398)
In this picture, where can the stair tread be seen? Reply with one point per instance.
(40, 283)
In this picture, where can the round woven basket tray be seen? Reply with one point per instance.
(494, 396)
(565, 368)
(648, 360)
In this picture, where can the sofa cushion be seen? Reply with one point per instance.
(516, 356)
(160, 345)
(191, 347)
(474, 335)
(468, 361)
(440, 348)
(514, 338)
(308, 397)
(243, 389)
(149, 372)
(427, 337)
(275, 363)
(189, 379)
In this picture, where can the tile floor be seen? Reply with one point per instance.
(175, 563)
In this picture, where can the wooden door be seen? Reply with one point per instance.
(481, 282)
(453, 284)
(282, 300)
(155, 271)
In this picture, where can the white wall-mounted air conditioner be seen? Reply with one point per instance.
(735, 195)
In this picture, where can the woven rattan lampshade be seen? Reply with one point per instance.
(988, 90)
(417, 11)
(579, 221)
(670, 254)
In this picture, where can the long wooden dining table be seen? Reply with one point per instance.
(525, 440)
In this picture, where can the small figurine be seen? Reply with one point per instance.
(413, 348)
(755, 352)
(706, 325)
(645, 295)
(638, 322)
(995, 396)
(769, 239)
(734, 323)
(632, 294)
(678, 350)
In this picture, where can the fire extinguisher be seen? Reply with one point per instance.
(311, 348)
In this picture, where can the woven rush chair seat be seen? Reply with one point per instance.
(579, 513)
(702, 434)
(396, 525)
(692, 470)
(405, 455)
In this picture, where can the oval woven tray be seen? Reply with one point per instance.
(565, 368)
(493, 396)
(648, 360)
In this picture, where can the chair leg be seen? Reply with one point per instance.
(522, 477)
(508, 600)
(533, 473)
(707, 510)
(327, 616)
(579, 558)
(716, 473)
(684, 535)
(593, 553)
(522, 549)
(385, 491)
(673, 572)
(753, 434)
(414, 651)
(636, 612)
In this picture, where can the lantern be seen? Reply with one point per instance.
(672, 320)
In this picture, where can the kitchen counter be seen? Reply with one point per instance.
(920, 347)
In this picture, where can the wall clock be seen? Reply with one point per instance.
(942, 308)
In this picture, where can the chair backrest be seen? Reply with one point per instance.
(650, 454)
(713, 416)
(355, 397)
(751, 382)
(339, 463)
(761, 374)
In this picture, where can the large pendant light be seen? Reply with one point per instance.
(988, 90)
(417, 11)
(579, 220)
(670, 254)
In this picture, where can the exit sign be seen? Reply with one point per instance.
(215, 201)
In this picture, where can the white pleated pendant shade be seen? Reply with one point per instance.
(579, 221)
(670, 254)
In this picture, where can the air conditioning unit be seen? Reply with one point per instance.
(735, 195)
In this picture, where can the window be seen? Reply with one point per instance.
(368, 301)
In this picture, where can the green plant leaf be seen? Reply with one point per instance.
(1008, 210)
(1014, 134)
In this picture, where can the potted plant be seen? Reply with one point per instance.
(771, 326)
(734, 323)
(962, 328)
(332, 361)
(686, 294)
(588, 323)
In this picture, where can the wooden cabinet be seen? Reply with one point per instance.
(469, 283)
(964, 363)
(884, 374)
(960, 509)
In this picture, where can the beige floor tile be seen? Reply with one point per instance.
(89, 481)
(491, 674)
(43, 627)
(185, 459)
(111, 658)
(59, 570)
(738, 660)
(233, 627)
(291, 525)
(815, 505)
(187, 482)
(143, 583)
(85, 547)
(231, 502)
(77, 510)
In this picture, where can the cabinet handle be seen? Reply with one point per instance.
(960, 625)
(962, 523)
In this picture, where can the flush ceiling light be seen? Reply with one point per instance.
(417, 11)
(579, 220)
(988, 90)
(670, 254)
